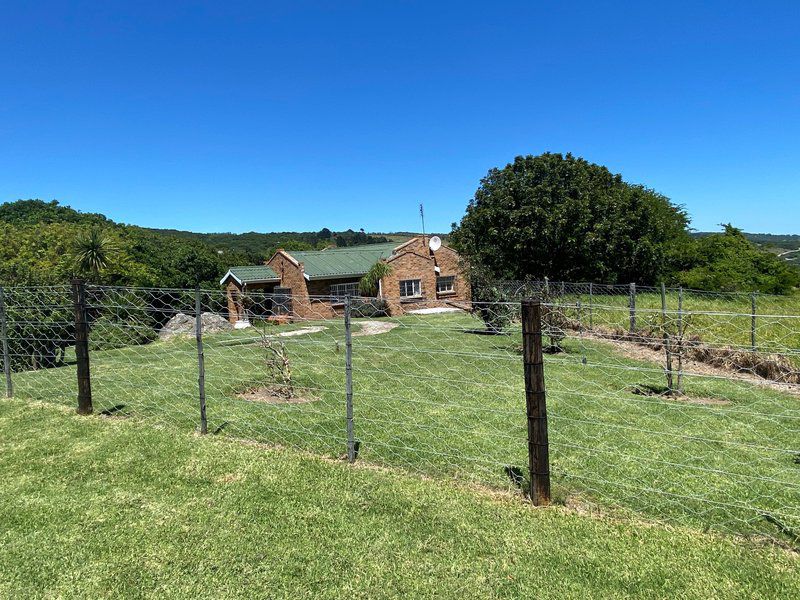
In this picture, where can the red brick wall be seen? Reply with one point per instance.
(235, 311)
(416, 261)
(413, 261)
(408, 265)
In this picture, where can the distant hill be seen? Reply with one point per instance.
(787, 246)
(261, 246)
(250, 247)
(39, 212)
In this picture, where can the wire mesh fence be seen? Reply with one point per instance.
(659, 408)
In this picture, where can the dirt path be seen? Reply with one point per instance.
(690, 367)
(302, 331)
(374, 328)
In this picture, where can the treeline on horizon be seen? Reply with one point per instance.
(646, 241)
(46, 243)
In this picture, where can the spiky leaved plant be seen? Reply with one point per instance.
(370, 282)
(93, 251)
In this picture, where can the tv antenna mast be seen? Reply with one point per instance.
(422, 216)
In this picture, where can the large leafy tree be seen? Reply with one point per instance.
(562, 217)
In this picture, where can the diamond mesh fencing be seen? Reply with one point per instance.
(663, 404)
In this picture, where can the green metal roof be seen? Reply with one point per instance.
(342, 262)
(252, 274)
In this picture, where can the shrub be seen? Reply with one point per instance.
(369, 307)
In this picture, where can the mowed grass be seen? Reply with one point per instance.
(719, 320)
(99, 507)
(435, 398)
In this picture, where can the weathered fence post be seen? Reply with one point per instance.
(82, 347)
(6, 353)
(201, 360)
(591, 318)
(535, 402)
(753, 321)
(348, 371)
(632, 306)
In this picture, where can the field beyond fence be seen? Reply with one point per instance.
(662, 405)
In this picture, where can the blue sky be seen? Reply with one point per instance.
(269, 116)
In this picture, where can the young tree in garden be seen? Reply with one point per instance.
(566, 218)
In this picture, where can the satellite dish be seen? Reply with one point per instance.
(434, 243)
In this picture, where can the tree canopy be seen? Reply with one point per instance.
(729, 262)
(563, 217)
(45, 243)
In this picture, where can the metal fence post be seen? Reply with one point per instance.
(348, 371)
(591, 319)
(632, 305)
(535, 402)
(753, 321)
(680, 339)
(82, 347)
(6, 353)
(201, 360)
(666, 338)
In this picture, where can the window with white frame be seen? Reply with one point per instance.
(445, 283)
(339, 291)
(409, 288)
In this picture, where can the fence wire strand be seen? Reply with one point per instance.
(663, 404)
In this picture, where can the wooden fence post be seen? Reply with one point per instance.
(632, 306)
(82, 347)
(201, 360)
(6, 353)
(348, 372)
(753, 321)
(535, 402)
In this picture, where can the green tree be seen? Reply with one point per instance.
(565, 218)
(729, 262)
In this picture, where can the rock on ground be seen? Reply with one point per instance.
(182, 324)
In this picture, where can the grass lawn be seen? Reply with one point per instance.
(100, 507)
(723, 320)
(434, 399)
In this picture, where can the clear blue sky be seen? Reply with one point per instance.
(227, 116)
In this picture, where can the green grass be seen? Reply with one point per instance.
(97, 507)
(432, 398)
(717, 319)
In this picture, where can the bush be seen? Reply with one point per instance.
(369, 307)
(729, 262)
(494, 304)
(107, 333)
(119, 318)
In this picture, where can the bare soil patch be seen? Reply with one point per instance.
(646, 390)
(301, 331)
(269, 395)
(691, 367)
(374, 328)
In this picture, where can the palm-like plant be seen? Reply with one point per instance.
(369, 283)
(93, 250)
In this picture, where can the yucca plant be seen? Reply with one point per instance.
(93, 251)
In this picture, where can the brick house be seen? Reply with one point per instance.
(313, 283)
